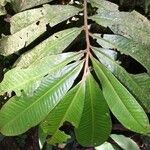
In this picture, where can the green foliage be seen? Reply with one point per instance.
(123, 142)
(92, 130)
(54, 83)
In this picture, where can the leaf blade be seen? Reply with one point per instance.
(21, 113)
(134, 85)
(122, 104)
(124, 142)
(95, 124)
(67, 110)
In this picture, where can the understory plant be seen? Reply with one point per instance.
(74, 75)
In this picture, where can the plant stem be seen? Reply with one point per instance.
(86, 66)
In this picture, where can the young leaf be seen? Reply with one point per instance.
(142, 95)
(53, 45)
(21, 113)
(69, 109)
(124, 142)
(126, 46)
(18, 79)
(122, 104)
(95, 124)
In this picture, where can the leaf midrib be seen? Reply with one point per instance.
(92, 110)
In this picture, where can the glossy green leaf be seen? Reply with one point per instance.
(28, 28)
(53, 45)
(108, 58)
(69, 109)
(122, 104)
(21, 113)
(95, 124)
(129, 24)
(18, 79)
(126, 46)
(124, 142)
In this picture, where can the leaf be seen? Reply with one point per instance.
(95, 124)
(21, 113)
(106, 146)
(18, 79)
(129, 24)
(41, 138)
(26, 31)
(2, 10)
(122, 104)
(53, 45)
(2, 2)
(108, 58)
(127, 46)
(13, 43)
(104, 5)
(49, 13)
(69, 109)
(143, 80)
(124, 142)
(26, 4)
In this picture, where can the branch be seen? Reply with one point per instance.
(86, 65)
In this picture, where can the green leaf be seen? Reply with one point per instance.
(129, 24)
(143, 80)
(26, 30)
(21, 113)
(53, 45)
(95, 124)
(142, 93)
(106, 146)
(18, 79)
(122, 104)
(124, 142)
(69, 109)
(20, 5)
(41, 137)
(127, 46)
